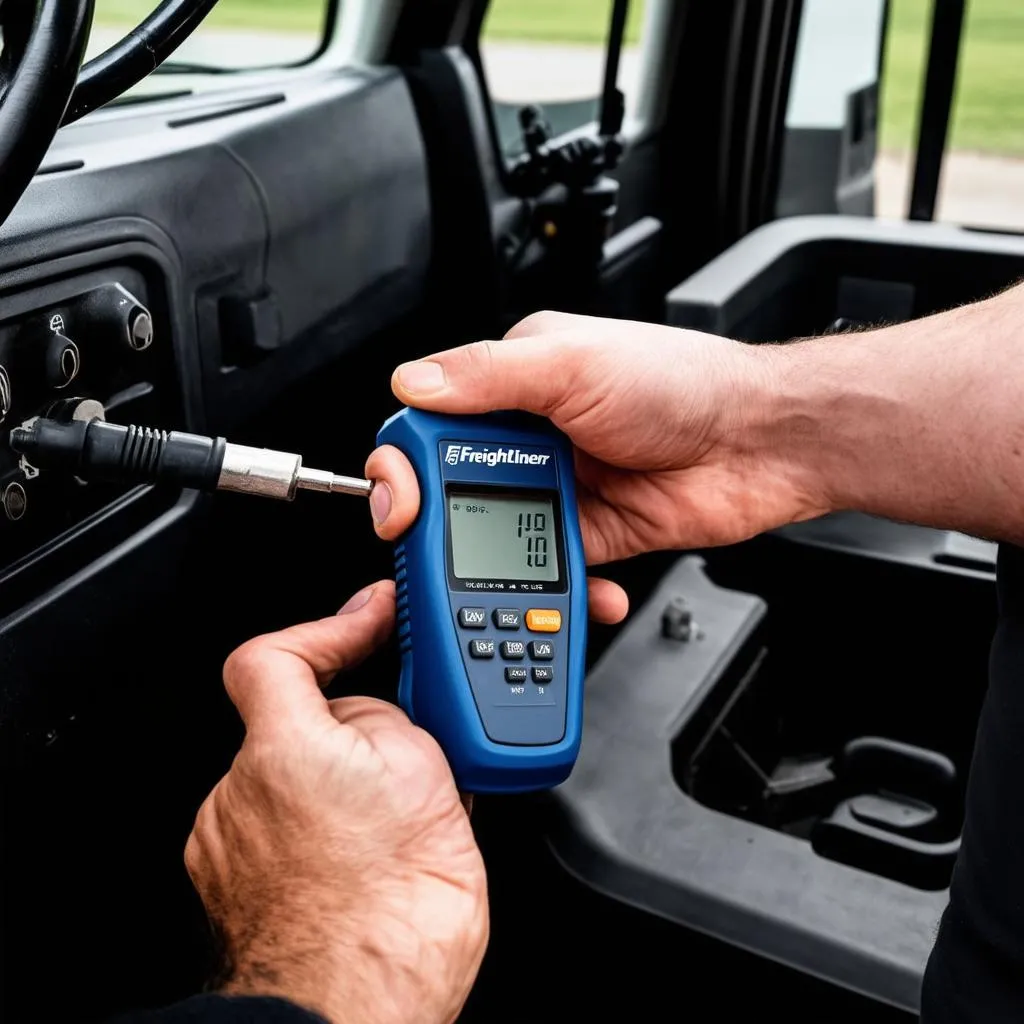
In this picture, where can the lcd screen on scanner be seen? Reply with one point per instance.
(503, 538)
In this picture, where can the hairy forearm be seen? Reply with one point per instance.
(922, 422)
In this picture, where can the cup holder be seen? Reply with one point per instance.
(877, 804)
(898, 814)
(884, 806)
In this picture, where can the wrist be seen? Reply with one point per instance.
(303, 973)
(352, 969)
(319, 967)
(782, 431)
(835, 425)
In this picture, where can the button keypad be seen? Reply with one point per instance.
(507, 618)
(481, 648)
(473, 618)
(513, 650)
(541, 650)
(530, 651)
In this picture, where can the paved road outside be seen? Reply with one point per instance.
(977, 189)
(535, 72)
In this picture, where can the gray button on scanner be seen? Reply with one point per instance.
(472, 618)
(507, 618)
(481, 648)
(513, 650)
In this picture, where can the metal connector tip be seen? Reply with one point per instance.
(329, 483)
(280, 475)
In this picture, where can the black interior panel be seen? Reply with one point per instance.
(116, 618)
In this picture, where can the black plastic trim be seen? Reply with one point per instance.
(936, 106)
(240, 107)
(67, 165)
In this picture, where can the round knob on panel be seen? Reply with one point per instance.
(63, 361)
(15, 502)
(5, 394)
(140, 329)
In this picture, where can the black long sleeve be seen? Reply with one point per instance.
(976, 972)
(213, 1009)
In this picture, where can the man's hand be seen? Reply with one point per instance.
(336, 857)
(673, 432)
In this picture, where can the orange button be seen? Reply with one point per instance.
(544, 620)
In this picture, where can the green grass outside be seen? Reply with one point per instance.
(988, 117)
(276, 15)
(989, 111)
(559, 21)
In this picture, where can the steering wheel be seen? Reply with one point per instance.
(44, 42)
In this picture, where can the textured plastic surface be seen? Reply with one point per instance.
(340, 238)
(626, 827)
(496, 740)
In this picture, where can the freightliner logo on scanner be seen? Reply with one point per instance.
(493, 456)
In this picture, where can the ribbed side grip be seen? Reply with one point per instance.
(402, 595)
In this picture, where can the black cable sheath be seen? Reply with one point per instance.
(96, 450)
(612, 101)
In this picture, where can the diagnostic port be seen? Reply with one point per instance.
(70, 410)
(62, 361)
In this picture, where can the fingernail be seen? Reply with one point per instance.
(356, 601)
(380, 502)
(421, 378)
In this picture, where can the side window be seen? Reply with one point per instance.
(837, 112)
(903, 69)
(982, 182)
(832, 112)
(237, 34)
(552, 53)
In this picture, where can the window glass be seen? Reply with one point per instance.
(831, 116)
(552, 53)
(982, 181)
(902, 89)
(236, 34)
(983, 172)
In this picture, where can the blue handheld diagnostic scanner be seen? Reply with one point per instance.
(492, 597)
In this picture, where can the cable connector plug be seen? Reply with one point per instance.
(96, 450)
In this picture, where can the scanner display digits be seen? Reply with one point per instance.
(503, 538)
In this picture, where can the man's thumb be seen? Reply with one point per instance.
(532, 374)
